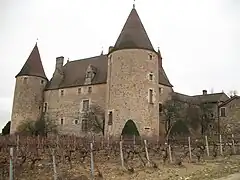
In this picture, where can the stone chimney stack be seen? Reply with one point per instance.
(204, 92)
(110, 49)
(59, 62)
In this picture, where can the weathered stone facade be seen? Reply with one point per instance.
(28, 100)
(229, 116)
(69, 105)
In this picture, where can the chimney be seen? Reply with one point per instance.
(204, 92)
(110, 49)
(59, 62)
(159, 58)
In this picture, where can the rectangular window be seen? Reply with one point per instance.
(61, 121)
(223, 112)
(84, 125)
(85, 106)
(151, 77)
(160, 90)
(25, 80)
(110, 118)
(79, 90)
(150, 56)
(75, 121)
(45, 106)
(42, 81)
(150, 96)
(160, 108)
(89, 89)
(61, 92)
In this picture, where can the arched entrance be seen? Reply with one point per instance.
(130, 129)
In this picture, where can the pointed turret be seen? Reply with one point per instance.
(133, 35)
(33, 66)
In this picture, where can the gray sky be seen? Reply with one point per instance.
(199, 39)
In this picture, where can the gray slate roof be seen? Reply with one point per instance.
(133, 34)
(74, 73)
(33, 66)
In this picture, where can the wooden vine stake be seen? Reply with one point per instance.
(11, 164)
(207, 147)
(92, 161)
(233, 144)
(54, 165)
(146, 151)
(190, 149)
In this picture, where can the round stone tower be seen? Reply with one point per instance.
(133, 81)
(28, 94)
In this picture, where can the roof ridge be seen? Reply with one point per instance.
(89, 58)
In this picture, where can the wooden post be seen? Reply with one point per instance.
(92, 161)
(57, 141)
(108, 139)
(146, 151)
(54, 165)
(134, 140)
(207, 147)
(233, 144)
(17, 144)
(11, 164)
(220, 141)
(121, 154)
(190, 149)
(170, 153)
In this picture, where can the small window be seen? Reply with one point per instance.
(160, 108)
(85, 105)
(147, 128)
(150, 56)
(61, 92)
(223, 112)
(42, 81)
(160, 90)
(89, 89)
(150, 76)
(84, 125)
(79, 90)
(75, 121)
(25, 80)
(150, 96)
(45, 106)
(110, 118)
(61, 121)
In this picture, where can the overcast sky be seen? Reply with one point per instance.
(199, 39)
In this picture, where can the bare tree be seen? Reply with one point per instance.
(43, 126)
(232, 93)
(172, 111)
(95, 119)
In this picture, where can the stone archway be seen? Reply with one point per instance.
(130, 129)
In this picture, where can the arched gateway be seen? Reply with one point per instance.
(130, 129)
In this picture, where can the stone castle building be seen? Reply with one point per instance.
(129, 84)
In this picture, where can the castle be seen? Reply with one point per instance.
(129, 83)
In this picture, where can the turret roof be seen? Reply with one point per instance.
(133, 34)
(33, 66)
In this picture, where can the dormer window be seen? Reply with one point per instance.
(90, 74)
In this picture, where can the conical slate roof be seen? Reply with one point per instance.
(133, 35)
(33, 66)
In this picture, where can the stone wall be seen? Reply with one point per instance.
(28, 99)
(128, 91)
(230, 124)
(69, 105)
